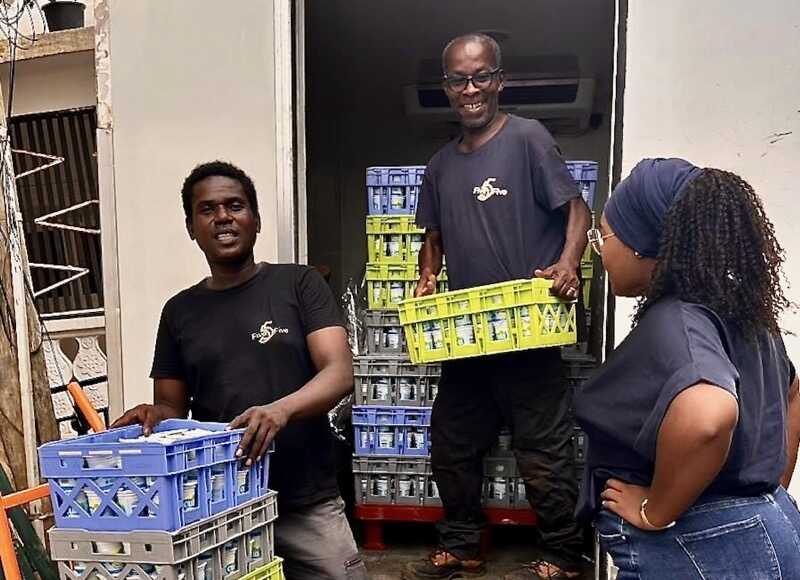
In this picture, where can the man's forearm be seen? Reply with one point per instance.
(578, 222)
(170, 411)
(430, 258)
(320, 394)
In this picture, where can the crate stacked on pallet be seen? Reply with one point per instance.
(391, 419)
(578, 367)
(177, 505)
(393, 397)
(578, 363)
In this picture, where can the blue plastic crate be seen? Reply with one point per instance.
(585, 174)
(392, 199)
(100, 484)
(394, 190)
(396, 175)
(392, 430)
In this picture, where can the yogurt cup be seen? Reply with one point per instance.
(381, 390)
(114, 567)
(406, 390)
(127, 500)
(385, 437)
(229, 556)
(217, 487)
(405, 487)
(190, 493)
(102, 461)
(254, 545)
(108, 547)
(242, 481)
(204, 567)
(93, 499)
(380, 486)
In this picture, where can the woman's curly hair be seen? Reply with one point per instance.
(718, 248)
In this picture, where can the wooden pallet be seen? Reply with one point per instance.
(374, 517)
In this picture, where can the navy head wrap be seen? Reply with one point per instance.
(636, 209)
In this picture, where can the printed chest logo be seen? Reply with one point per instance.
(487, 190)
(266, 332)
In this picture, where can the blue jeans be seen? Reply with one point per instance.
(719, 538)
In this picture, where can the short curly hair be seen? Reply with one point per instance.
(719, 249)
(217, 169)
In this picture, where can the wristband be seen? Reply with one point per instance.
(647, 522)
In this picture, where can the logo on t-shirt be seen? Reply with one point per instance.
(266, 332)
(487, 190)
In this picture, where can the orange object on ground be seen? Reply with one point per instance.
(7, 555)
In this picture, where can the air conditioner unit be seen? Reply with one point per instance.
(560, 99)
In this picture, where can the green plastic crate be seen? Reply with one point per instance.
(504, 317)
(272, 571)
(393, 239)
(587, 272)
(388, 284)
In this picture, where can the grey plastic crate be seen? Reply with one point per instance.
(231, 560)
(384, 333)
(170, 548)
(390, 480)
(394, 380)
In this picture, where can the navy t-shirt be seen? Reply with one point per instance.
(675, 346)
(246, 346)
(497, 208)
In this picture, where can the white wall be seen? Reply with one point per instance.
(54, 83)
(189, 84)
(715, 83)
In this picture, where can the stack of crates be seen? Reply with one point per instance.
(177, 505)
(393, 396)
(391, 418)
(578, 365)
(585, 175)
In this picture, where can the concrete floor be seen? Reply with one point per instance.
(408, 542)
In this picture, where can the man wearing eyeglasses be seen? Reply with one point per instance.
(500, 203)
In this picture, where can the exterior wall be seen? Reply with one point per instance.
(54, 83)
(717, 84)
(189, 85)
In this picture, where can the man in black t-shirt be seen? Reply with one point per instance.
(501, 204)
(261, 346)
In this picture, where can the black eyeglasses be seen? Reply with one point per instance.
(481, 80)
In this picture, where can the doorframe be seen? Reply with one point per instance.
(286, 169)
(301, 159)
(615, 159)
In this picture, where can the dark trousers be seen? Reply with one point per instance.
(528, 392)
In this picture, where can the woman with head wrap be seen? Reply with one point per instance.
(694, 421)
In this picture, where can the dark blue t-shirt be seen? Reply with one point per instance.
(675, 346)
(497, 208)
